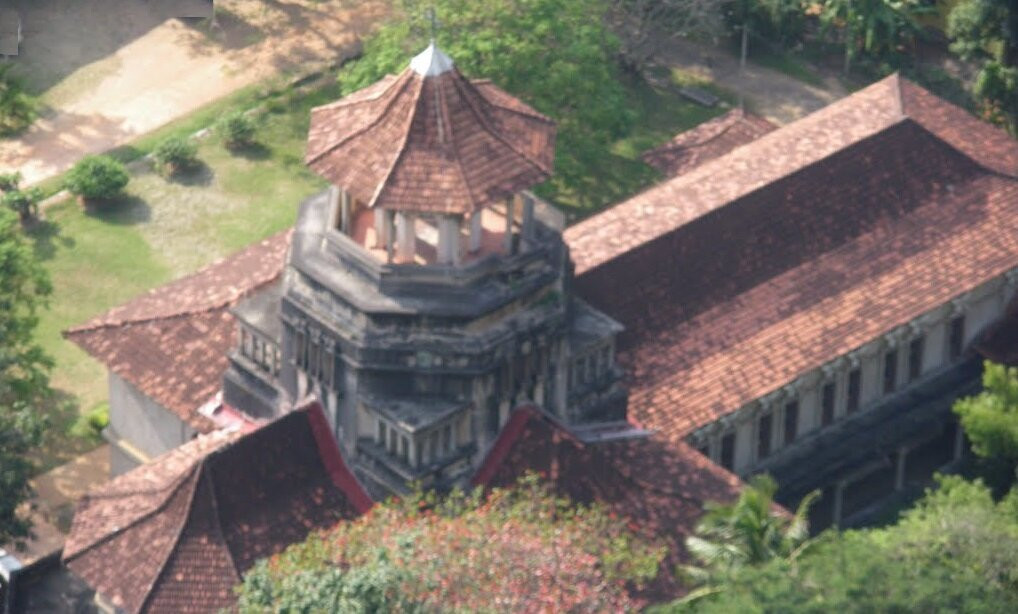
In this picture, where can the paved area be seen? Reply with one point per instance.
(52, 507)
(772, 94)
(111, 70)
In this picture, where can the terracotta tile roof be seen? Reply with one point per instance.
(176, 534)
(171, 343)
(659, 485)
(436, 143)
(711, 139)
(732, 305)
(778, 155)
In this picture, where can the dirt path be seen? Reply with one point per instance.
(770, 93)
(111, 70)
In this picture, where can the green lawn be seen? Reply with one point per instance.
(162, 229)
(787, 63)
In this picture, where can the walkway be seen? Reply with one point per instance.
(772, 94)
(52, 506)
(112, 70)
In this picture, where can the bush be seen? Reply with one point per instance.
(97, 178)
(176, 154)
(9, 181)
(23, 202)
(236, 130)
(90, 424)
(17, 108)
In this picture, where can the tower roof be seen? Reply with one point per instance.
(431, 141)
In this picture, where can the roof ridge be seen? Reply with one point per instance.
(347, 102)
(384, 111)
(535, 115)
(176, 537)
(730, 122)
(225, 303)
(456, 151)
(403, 143)
(895, 80)
(218, 523)
(174, 486)
(464, 92)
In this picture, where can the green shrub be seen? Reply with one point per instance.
(17, 107)
(236, 130)
(176, 154)
(9, 181)
(90, 424)
(23, 202)
(97, 178)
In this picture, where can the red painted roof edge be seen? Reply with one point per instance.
(328, 451)
(508, 436)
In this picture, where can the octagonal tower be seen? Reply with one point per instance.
(426, 291)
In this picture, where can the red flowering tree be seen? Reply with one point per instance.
(519, 549)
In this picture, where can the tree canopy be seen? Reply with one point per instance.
(577, 85)
(987, 31)
(519, 549)
(956, 551)
(990, 420)
(748, 531)
(24, 371)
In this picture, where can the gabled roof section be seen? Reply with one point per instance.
(659, 485)
(779, 154)
(176, 534)
(171, 342)
(737, 302)
(709, 140)
(431, 141)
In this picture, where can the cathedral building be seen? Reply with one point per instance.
(805, 300)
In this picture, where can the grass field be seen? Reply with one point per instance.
(162, 229)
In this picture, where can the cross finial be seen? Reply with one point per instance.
(432, 17)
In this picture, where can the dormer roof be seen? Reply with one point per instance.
(431, 141)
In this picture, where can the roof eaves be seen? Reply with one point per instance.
(406, 78)
(509, 435)
(462, 84)
(332, 459)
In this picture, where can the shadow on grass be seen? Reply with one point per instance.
(250, 151)
(46, 238)
(125, 210)
(197, 174)
(60, 441)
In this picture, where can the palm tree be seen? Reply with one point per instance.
(875, 26)
(749, 531)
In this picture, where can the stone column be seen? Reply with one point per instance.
(448, 239)
(899, 468)
(959, 442)
(344, 211)
(839, 493)
(380, 227)
(508, 238)
(406, 237)
(528, 218)
(334, 193)
(390, 232)
(475, 231)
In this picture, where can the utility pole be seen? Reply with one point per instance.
(742, 59)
